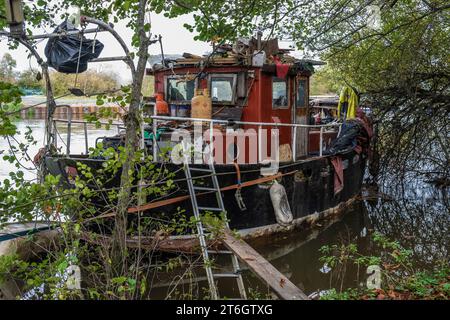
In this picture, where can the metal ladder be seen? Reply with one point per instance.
(201, 230)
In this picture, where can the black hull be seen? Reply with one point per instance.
(310, 190)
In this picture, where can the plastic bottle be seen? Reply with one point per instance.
(162, 108)
(201, 105)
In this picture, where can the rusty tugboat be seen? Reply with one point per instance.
(276, 168)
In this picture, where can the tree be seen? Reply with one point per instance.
(403, 70)
(41, 13)
(324, 82)
(90, 81)
(7, 66)
(27, 79)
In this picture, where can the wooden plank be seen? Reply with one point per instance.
(282, 286)
(220, 60)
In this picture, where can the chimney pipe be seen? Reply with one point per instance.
(15, 17)
(258, 37)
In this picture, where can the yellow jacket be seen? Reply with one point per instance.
(348, 96)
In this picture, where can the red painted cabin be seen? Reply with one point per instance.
(245, 93)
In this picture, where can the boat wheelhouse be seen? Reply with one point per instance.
(250, 98)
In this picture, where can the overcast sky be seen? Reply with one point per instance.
(176, 40)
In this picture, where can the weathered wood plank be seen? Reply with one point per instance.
(281, 285)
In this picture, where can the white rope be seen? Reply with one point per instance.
(79, 57)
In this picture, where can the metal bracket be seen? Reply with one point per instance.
(240, 200)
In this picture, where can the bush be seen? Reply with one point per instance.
(91, 82)
(401, 280)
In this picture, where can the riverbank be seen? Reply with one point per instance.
(79, 106)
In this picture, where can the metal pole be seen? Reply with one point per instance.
(155, 143)
(86, 138)
(62, 34)
(294, 145)
(108, 27)
(54, 133)
(278, 124)
(105, 59)
(211, 142)
(259, 144)
(162, 51)
(69, 131)
(321, 141)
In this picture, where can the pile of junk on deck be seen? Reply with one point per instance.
(243, 136)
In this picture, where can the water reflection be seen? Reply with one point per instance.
(417, 215)
(295, 255)
(299, 254)
(77, 144)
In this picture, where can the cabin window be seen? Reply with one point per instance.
(180, 89)
(222, 88)
(279, 93)
(301, 93)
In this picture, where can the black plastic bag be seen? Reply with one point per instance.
(346, 140)
(63, 52)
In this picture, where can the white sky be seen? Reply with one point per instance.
(176, 40)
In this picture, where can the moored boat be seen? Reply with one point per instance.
(256, 128)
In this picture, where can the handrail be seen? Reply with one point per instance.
(272, 124)
(120, 125)
(259, 124)
(69, 122)
(87, 122)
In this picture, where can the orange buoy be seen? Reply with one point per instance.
(162, 108)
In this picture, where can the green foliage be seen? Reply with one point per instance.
(74, 213)
(43, 279)
(40, 13)
(349, 294)
(324, 81)
(10, 98)
(257, 294)
(91, 82)
(400, 279)
(27, 79)
(7, 65)
(403, 66)
(408, 37)
(215, 224)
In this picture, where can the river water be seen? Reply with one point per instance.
(416, 214)
(77, 142)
